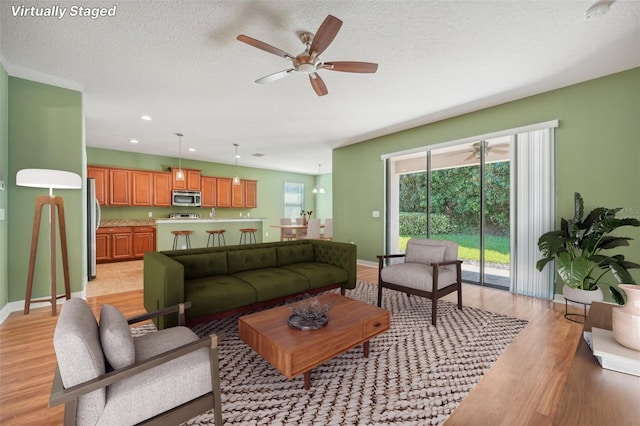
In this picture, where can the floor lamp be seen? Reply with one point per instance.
(51, 179)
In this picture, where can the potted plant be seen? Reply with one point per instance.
(578, 249)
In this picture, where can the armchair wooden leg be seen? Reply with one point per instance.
(215, 381)
(379, 295)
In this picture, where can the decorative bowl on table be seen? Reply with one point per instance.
(309, 314)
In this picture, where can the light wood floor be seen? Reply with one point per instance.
(522, 388)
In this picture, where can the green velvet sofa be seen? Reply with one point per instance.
(221, 281)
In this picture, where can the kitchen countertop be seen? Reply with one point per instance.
(217, 219)
(106, 223)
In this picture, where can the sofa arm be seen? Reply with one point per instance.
(163, 286)
(342, 255)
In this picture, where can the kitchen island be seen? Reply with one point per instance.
(164, 237)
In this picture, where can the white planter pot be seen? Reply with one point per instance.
(582, 296)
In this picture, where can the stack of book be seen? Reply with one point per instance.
(611, 354)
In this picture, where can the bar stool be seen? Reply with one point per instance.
(251, 232)
(212, 237)
(176, 234)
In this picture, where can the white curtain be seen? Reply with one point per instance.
(534, 211)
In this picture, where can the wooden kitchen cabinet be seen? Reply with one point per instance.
(119, 184)
(237, 195)
(101, 175)
(162, 189)
(144, 240)
(223, 192)
(141, 188)
(208, 188)
(114, 243)
(250, 193)
(191, 180)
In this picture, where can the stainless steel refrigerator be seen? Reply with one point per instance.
(93, 222)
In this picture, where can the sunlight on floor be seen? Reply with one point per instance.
(116, 277)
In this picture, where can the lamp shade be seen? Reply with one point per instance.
(48, 178)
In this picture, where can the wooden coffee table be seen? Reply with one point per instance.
(291, 351)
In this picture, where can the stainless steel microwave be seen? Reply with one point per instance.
(186, 198)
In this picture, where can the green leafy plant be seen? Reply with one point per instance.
(578, 247)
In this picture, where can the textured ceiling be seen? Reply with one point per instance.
(180, 62)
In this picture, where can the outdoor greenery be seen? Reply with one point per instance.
(455, 209)
(455, 193)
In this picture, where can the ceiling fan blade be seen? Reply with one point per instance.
(318, 84)
(470, 157)
(275, 76)
(325, 35)
(263, 46)
(349, 66)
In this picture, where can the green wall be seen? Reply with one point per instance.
(45, 131)
(4, 171)
(598, 155)
(270, 188)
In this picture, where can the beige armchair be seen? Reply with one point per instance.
(107, 377)
(430, 269)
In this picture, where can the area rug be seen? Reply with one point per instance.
(416, 374)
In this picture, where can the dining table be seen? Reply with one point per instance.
(295, 227)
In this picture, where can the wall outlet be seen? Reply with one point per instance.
(183, 247)
(375, 213)
(266, 233)
(150, 214)
(1, 214)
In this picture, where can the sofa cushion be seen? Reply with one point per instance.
(319, 274)
(298, 253)
(248, 259)
(203, 265)
(219, 293)
(270, 283)
(77, 344)
(116, 338)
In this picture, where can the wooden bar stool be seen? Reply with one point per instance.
(186, 234)
(251, 232)
(212, 237)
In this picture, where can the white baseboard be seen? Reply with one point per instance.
(18, 305)
(367, 263)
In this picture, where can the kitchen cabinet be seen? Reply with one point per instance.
(144, 240)
(101, 175)
(191, 180)
(223, 192)
(237, 195)
(141, 188)
(162, 189)
(114, 243)
(250, 193)
(208, 188)
(117, 243)
(119, 184)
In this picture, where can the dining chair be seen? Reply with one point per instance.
(300, 233)
(313, 230)
(328, 230)
(286, 234)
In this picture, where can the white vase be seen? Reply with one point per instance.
(582, 296)
(625, 320)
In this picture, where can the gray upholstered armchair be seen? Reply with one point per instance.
(431, 269)
(107, 377)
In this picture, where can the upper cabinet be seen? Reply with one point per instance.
(162, 189)
(101, 175)
(250, 193)
(191, 180)
(223, 192)
(119, 184)
(208, 188)
(141, 188)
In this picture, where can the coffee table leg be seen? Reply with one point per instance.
(365, 348)
(307, 380)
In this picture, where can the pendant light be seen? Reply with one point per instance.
(236, 178)
(318, 189)
(179, 173)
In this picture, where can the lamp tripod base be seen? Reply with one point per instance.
(55, 203)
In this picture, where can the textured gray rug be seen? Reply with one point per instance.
(416, 374)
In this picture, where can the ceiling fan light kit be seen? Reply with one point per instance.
(308, 62)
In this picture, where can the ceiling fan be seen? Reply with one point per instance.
(474, 152)
(309, 62)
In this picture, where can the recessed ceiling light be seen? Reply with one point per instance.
(597, 10)
(192, 150)
(145, 117)
(257, 154)
(134, 140)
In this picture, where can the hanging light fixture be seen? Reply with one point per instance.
(179, 173)
(236, 178)
(318, 189)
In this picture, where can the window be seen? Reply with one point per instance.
(293, 199)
